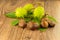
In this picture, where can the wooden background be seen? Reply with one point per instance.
(9, 32)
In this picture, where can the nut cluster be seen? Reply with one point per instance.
(45, 23)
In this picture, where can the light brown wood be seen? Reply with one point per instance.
(9, 32)
(53, 8)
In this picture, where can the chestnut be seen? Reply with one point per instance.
(44, 24)
(22, 23)
(51, 24)
(32, 25)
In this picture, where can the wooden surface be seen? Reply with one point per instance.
(9, 32)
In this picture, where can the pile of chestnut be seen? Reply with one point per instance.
(45, 23)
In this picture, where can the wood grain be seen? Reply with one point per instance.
(9, 32)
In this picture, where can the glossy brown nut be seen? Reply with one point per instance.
(44, 24)
(30, 25)
(51, 24)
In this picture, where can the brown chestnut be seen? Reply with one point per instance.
(22, 23)
(44, 24)
(32, 25)
(51, 24)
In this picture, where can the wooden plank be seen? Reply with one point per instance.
(2, 17)
(19, 33)
(36, 35)
(26, 35)
(4, 31)
(8, 32)
(13, 30)
(15, 33)
(50, 35)
(53, 8)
